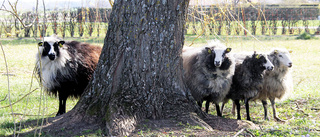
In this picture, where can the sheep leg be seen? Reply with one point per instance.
(233, 108)
(218, 110)
(200, 103)
(62, 105)
(247, 108)
(274, 110)
(233, 111)
(222, 106)
(207, 106)
(238, 108)
(264, 103)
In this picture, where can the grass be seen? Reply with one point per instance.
(300, 109)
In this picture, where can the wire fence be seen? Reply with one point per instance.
(205, 20)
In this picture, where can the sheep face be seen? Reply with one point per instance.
(50, 49)
(263, 62)
(216, 55)
(283, 57)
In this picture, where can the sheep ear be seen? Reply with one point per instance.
(61, 43)
(209, 50)
(290, 51)
(276, 51)
(257, 56)
(228, 50)
(40, 44)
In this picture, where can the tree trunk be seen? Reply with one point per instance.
(139, 74)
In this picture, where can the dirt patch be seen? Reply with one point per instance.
(220, 127)
(233, 125)
(64, 125)
(187, 126)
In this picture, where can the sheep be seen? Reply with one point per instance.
(278, 82)
(65, 68)
(248, 79)
(208, 73)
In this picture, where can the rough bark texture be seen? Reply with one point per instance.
(139, 74)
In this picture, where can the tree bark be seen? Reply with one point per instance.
(139, 74)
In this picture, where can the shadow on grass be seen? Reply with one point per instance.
(221, 126)
(33, 127)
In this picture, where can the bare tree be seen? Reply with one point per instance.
(7, 24)
(54, 21)
(28, 19)
(263, 24)
(0, 30)
(81, 20)
(97, 21)
(284, 23)
(17, 26)
(63, 23)
(72, 22)
(306, 26)
(90, 25)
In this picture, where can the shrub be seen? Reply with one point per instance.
(305, 36)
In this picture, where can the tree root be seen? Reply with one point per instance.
(242, 130)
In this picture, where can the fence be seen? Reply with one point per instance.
(206, 20)
(257, 20)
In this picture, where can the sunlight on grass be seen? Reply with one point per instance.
(21, 60)
(301, 109)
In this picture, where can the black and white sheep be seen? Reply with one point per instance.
(65, 68)
(208, 73)
(278, 82)
(248, 79)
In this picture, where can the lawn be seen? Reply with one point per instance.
(300, 108)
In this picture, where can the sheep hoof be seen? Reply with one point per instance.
(59, 114)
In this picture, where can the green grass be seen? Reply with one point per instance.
(21, 60)
(20, 55)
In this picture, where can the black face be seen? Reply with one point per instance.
(51, 51)
(260, 60)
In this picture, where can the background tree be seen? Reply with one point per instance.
(72, 22)
(139, 74)
(82, 21)
(17, 26)
(8, 25)
(63, 24)
(54, 21)
(28, 19)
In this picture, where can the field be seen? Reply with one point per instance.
(20, 88)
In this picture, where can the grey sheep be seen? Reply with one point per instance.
(208, 73)
(278, 82)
